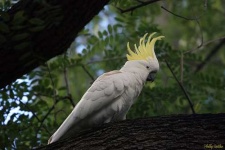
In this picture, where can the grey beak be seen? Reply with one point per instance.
(151, 76)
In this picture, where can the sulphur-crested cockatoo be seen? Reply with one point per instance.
(110, 97)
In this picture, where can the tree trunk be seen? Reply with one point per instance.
(205, 131)
(34, 31)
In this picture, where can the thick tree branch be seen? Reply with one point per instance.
(169, 132)
(28, 43)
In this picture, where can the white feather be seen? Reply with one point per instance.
(108, 99)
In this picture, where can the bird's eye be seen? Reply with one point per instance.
(147, 67)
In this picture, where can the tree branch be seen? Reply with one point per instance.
(179, 16)
(46, 115)
(61, 22)
(89, 74)
(67, 86)
(104, 60)
(182, 87)
(210, 55)
(52, 82)
(205, 44)
(189, 19)
(142, 4)
(167, 132)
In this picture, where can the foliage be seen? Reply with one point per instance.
(45, 97)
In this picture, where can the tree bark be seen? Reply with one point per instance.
(203, 131)
(35, 31)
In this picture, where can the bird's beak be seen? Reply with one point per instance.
(151, 76)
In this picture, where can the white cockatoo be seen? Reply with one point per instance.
(110, 97)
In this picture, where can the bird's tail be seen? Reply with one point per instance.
(50, 140)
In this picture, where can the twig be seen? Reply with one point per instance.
(210, 55)
(69, 97)
(46, 115)
(204, 44)
(67, 88)
(142, 4)
(53, 85)
(193, 19)
(189, 19)
(66, 81)
(104, 60)
(67, 85)
(89, 74)
(182, 87)
(201, 33)
(181, 68)
(35, 116)
(54, 98)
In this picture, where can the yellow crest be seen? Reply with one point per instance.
(144, 50)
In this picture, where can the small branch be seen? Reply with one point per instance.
(69, 97)
(59, 111)
(204, 44)
(46, 115)
(53, 85)
(189, 19)
(142, 4)
(210, 55)
(67, 85)
(140, 1)
(182, 87)
(104, 60)
(66, 81)
(89, 74)
(200, 32)
(206, 4)
(181, 67)
(54, 98)
(35, 116)
(193, 19)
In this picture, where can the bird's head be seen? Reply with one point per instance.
(143, 59)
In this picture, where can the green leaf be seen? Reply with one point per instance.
(4, 28)
(20, 37)
(105, 33)
(5, 16)
(19, 18)
(18, 27)
(110, 29)
(47, 82)
(2, 39)
(25, 55)
(100, 34)
(62, 88)
(11, 94)
(4, 96)
(37, 29)
(22, 46)
(36, 21)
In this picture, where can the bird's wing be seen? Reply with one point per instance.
(103, 92)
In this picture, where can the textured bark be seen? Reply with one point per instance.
(169, 132)
(63, 19)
